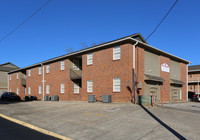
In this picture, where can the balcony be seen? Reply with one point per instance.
(23, 81)
(75, 74)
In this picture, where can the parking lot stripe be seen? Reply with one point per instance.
(41, 130)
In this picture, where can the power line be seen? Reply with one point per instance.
(162, 19)
(4, 37)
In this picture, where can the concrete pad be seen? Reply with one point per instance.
(82, 120)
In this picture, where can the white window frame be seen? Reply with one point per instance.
(40, 70)
(47, 89)
(62, 88)
(76, 88)
(29, 73)
(117, 53)
(116, 84)
(90, 59)
(89, 86)
(10, 77)
(17, 75)
(17, 91)
(29, 90)
(62, 65)
(39, 89)
(47, 68)
(76, 67)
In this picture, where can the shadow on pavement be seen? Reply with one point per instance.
(179, 136)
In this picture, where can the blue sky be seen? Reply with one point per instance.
(67, 23)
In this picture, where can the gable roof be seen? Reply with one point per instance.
(194, 68)
(131, 38)
(7, 67)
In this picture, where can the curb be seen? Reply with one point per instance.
(41, 130)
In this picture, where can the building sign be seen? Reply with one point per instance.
(165, 67)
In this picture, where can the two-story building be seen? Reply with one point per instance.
(4, 69)
(194, 78)
(124, 68)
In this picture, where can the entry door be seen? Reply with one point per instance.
(156, 98)
(175, 95)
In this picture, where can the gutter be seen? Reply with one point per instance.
(100, 46)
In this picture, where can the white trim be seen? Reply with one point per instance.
(62, 65)
(47, 89)
(115, 84)
(117, 53)
(89, 58)
(48, 68)
(76, 88)
(62, 88)
(39, 89)
(39, 70)
(89, 86)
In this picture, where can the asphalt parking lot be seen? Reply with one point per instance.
(81, 120)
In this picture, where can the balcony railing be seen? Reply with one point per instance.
(75, 74)
(23, 81)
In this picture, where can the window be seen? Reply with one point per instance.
(10, 90)
(29, 90)
(29, 73)
(116, 53)
(40, 90)
(76, 88)
(90, 86)
(47, 89)
(62, 65)
(75, 64)
(47, 69)
(17, 75)
(190, 87)
(62, 88)
(116, 85)
(90, 59)
(40, 70)
(10, 77)
(17, 90)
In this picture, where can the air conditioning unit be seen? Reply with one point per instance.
(55, 98)
(91, 98)
(47, 98)
(107, 99)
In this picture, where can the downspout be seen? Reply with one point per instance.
(43, 80)
(134, 71)
(8, 81)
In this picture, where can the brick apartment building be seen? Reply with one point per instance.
(4, 68)
(124, 68)
(194, 78)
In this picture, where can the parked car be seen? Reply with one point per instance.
(192, 96)
(10, 96)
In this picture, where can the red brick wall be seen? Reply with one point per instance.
(16, 83)
(165, 88)
(54, 79)
(104, 69)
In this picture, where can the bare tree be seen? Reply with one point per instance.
(69, 50)
(84, 45)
